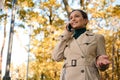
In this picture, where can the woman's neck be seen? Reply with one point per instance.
(78, 32)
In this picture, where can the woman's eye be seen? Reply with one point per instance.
(76, 15)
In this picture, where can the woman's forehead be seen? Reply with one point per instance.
(75, 12)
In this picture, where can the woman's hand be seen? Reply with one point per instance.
(102, 62)
(69, 27)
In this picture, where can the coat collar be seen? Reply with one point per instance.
(89, 33)
(86, 37)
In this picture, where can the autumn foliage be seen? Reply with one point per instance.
(47, 19)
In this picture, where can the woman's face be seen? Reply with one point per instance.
(77, 21)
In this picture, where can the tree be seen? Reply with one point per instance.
(47, 19)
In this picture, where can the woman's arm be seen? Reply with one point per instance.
(58, 52)
(102, 61)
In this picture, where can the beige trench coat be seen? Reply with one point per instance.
(79, 55)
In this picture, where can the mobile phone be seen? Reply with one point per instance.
(69, 28)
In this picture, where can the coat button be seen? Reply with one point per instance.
(62, 36)
(66, 45)
(87, 43)
(82, 56)
(82, 71)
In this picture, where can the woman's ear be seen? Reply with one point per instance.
(85, 21)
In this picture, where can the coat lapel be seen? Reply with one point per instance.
(88, 37)
(75, 49)
(79, 45)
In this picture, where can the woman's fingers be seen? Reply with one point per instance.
(103, 63)
(103, 60)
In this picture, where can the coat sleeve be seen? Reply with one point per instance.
(101, 45)
(58, 52)
(101, 50)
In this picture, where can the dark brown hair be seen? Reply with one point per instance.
(84, 14)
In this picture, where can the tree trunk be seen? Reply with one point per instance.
(67, 7)
(3, 44)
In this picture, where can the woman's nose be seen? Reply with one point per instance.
(73, 19)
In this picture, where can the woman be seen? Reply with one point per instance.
(83, 52)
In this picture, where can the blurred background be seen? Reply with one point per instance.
(29, 30)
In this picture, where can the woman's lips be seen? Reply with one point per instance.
(74, 23)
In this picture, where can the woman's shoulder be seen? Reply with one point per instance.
(99, 36)
(92, 33)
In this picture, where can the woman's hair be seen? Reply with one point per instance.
(84, 14)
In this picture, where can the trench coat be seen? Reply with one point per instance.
(79, 55)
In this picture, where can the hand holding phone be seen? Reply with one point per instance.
(69, 28)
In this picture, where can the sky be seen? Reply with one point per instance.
(20, 40)
(117, 2)
(19, 55)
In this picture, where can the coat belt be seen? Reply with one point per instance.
(75, 63)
